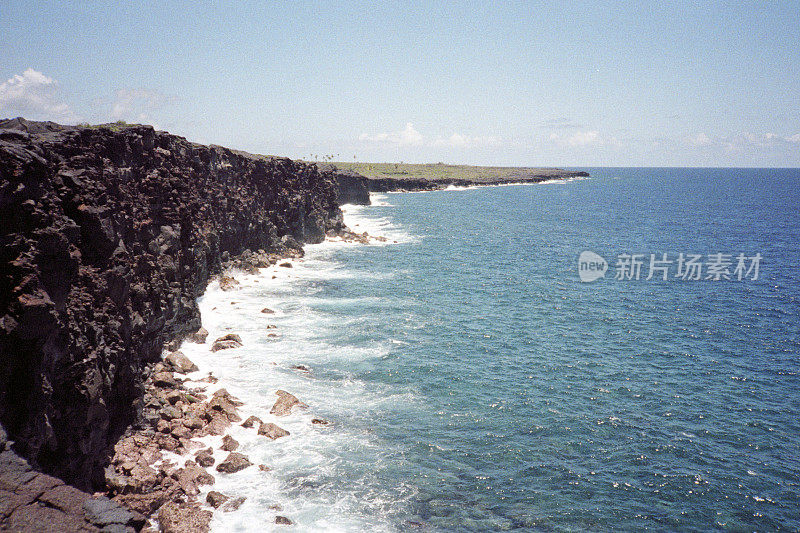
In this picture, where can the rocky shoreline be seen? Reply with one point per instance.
(178, 410)
(110, 234)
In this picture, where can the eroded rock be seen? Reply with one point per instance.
(229, 444)
(227, 283)
(272, 431)
(183, 518)
(285, 403)
(252, 421)
(215, 499)
(227, 342)
(180, 363)
(234, 463)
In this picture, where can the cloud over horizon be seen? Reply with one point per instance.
(411, 137)
(35, 96)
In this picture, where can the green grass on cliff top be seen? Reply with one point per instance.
(440, 171)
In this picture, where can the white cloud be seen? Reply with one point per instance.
(742, 141)
(34, 96)
(457, 140)
(408, 136)
(411, 137)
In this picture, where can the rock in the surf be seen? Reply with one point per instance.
(272, 431)
(226, 342)
(234, 463)
(285, 403)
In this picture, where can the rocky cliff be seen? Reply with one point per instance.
(109, 235)
(351, 187)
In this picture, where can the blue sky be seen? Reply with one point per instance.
(517, 83)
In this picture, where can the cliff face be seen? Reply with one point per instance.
(351, 188)
(107, 239)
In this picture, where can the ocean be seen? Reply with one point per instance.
(473, 382)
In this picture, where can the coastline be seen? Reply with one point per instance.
(197, 420)
(117, 231)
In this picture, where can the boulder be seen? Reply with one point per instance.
(268, 311)
(193, 422)
(222, 405)
(180, 431)
(282, 520)
(217, 425)
(227, 342)
(229, 444)
(252, 421)
(223, 393)
(199, 336)
(170, 412)
(191, 476)
(215, 499)
(180, 363)
(183, 518)
(142, 479)
(285, 403)
(225, 345)
(205, 458)
(272, 431)
(165, 380)
(233, 463)
(227, 283)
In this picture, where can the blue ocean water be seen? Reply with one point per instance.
(473, 383)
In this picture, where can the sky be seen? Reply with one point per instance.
(567, 84)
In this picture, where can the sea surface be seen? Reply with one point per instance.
(472, 382)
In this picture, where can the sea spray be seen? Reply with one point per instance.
(320, 475)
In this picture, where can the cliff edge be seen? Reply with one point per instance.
(109, 235)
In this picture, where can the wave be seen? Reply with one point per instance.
(321, 476)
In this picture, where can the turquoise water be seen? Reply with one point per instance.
(475, 384)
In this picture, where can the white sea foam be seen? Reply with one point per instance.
(361, 218)
(321, 476)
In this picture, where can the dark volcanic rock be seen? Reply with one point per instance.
(272, 431)
(252, 421)
(231, 340)
(285, 403)
(229, 443)
(180, 363)
(183, 518)
(351, 188)
(215, 499)
(233, 463)
(108, 237)
(32, 501)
